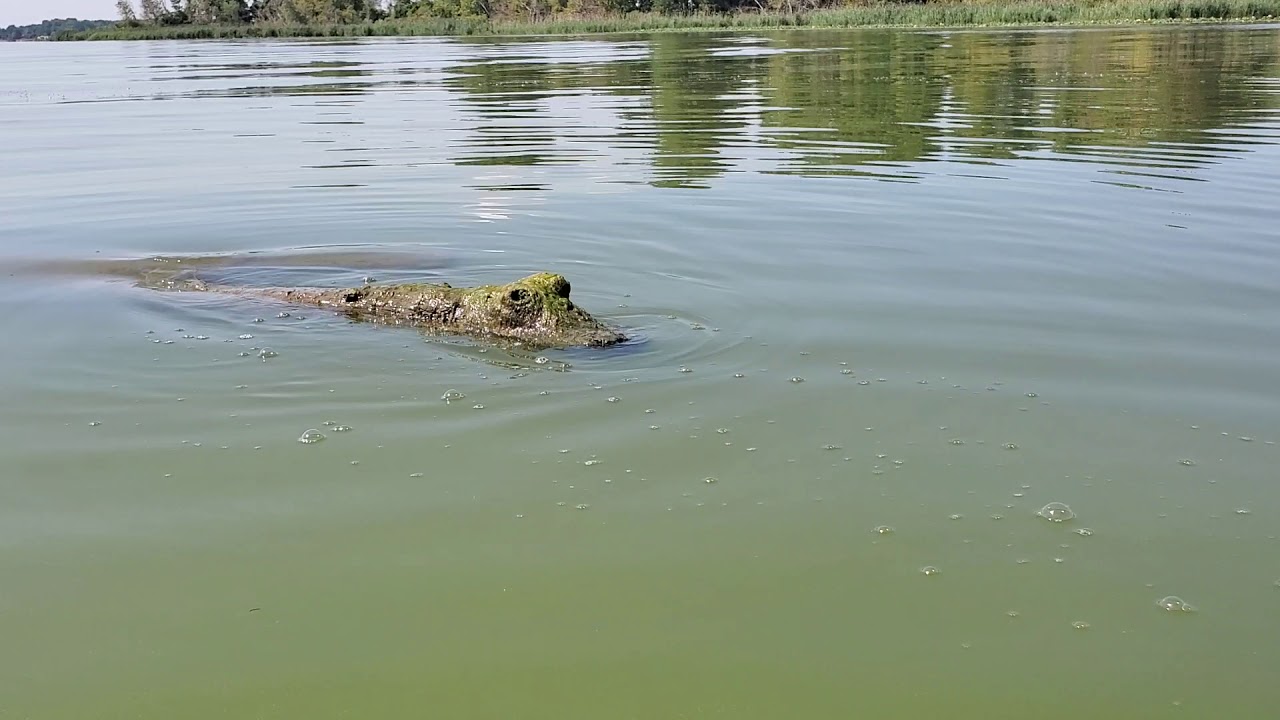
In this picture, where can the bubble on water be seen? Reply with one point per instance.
(341, 428)
(846, 371)
(797, 379)
(739, 375)
(581, 506)
(589, 463)
(311, 436)
(930, 570)
(709, 480)
(1010, 446)
(1080, 625)
(202, 337)
(451, 396)
(95, 423)
(1187, 463)
(883, 530)
(830, 447)
(1083, 532)
(864, 382)
(684, 369)
(1246, 438)
(267, 354)
(246, 336)
(997, 516)
(415, 475)
(1056, 512)
(1012, 613)
(259, 320)
(613, 399)
(1031, 395)
(282, 314)
(477, 406)
(956, 441)
(955, 516)
(1175, 604)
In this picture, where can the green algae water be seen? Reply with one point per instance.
(893, 295)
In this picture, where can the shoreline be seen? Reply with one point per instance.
(958, 15)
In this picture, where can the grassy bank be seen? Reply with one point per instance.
(963, 13)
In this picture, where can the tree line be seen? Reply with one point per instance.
(49, 28)
(222, 12)
(340, 12)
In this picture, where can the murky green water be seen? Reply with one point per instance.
(1009, 268)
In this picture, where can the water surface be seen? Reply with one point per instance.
(930, 281)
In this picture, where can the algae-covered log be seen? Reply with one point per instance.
(534, 311)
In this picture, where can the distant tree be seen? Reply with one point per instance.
(405, 8)
(125, 9)
(153, 10)
(320, 11)
(204, 12)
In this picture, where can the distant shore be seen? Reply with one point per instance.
(951, 14)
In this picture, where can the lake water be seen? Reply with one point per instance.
(930, 281)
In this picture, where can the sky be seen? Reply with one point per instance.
(26, 12)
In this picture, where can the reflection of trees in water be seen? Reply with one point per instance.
(511, 100)
(1000, 95)
(816, 103)
(697, 109)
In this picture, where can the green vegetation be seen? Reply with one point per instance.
(50, 28)
(194, 19)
